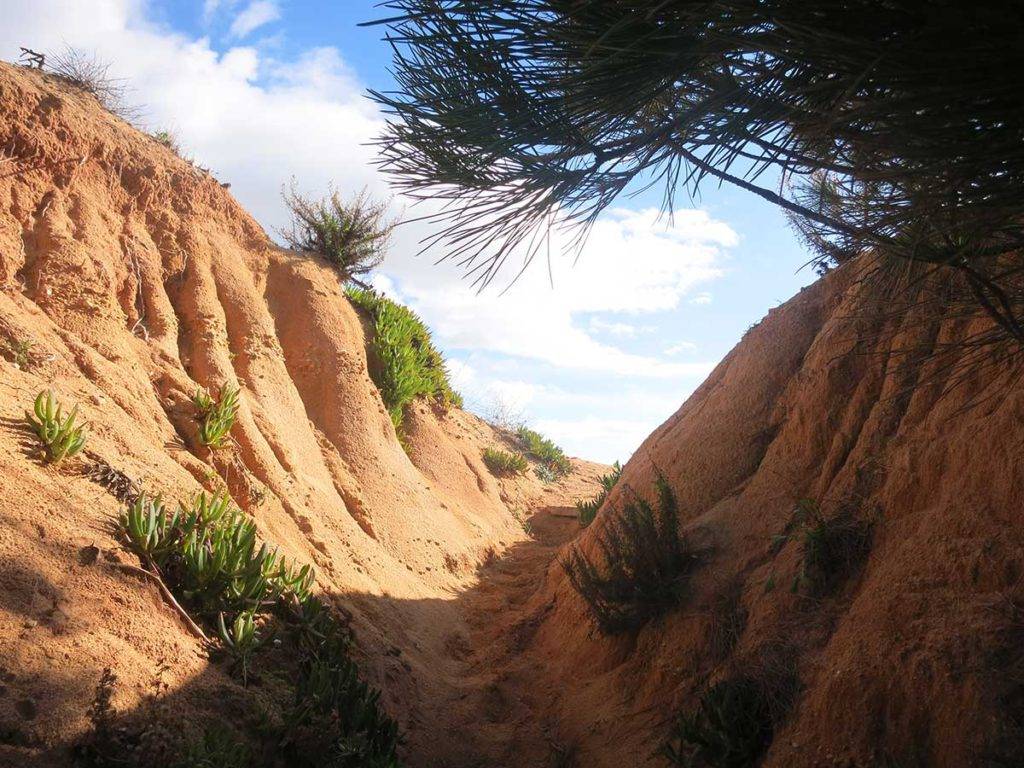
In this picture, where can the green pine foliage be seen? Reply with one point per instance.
(587, 509)
(646, 567)
(504, 462)
(406, 364)
(60, 436)
(545, 451)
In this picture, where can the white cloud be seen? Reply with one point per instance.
(254, 16)
(701, 298)
(257, 120)
(619, 330)
(682, 346)
(632, 264)
(597, 438)
(210, 8)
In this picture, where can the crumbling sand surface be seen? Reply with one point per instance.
(139, 279)
(915, 660)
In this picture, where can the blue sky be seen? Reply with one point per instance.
(262, 91)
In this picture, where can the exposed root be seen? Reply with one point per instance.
(193, 627)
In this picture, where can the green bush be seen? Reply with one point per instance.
(216, 417)
(60, 437)
(210, 553)
(218, 748)
(406, 364)
(587, 509)
(646, 566)
(731, 728)
(210, 558)
(832, 548)
(338, 718)
(352, 235)
(505, 463)
(545, 451)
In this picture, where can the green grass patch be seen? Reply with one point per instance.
(504, 462)
(405, 363)
(545, 451)
(646, 569)
(587, 509)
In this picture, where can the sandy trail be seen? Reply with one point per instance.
(494, 710)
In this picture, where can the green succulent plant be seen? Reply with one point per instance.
(545, 451)
(241, 640)
(404, 363)
(505, 463)
(150, 533)
(218, 748)
(211, 558)
(60, 437)
(216, 416)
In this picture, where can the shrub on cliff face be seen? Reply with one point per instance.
(405, 364)
(545, 451)
(736, 719)
(353, 235)
(832, 548)
(730, 728)
(505, 463)
(645, 570)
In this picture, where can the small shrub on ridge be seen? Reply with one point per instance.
(352, 235)
(167, 139)
(505, 463)
(91, 74)
(545, 451)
